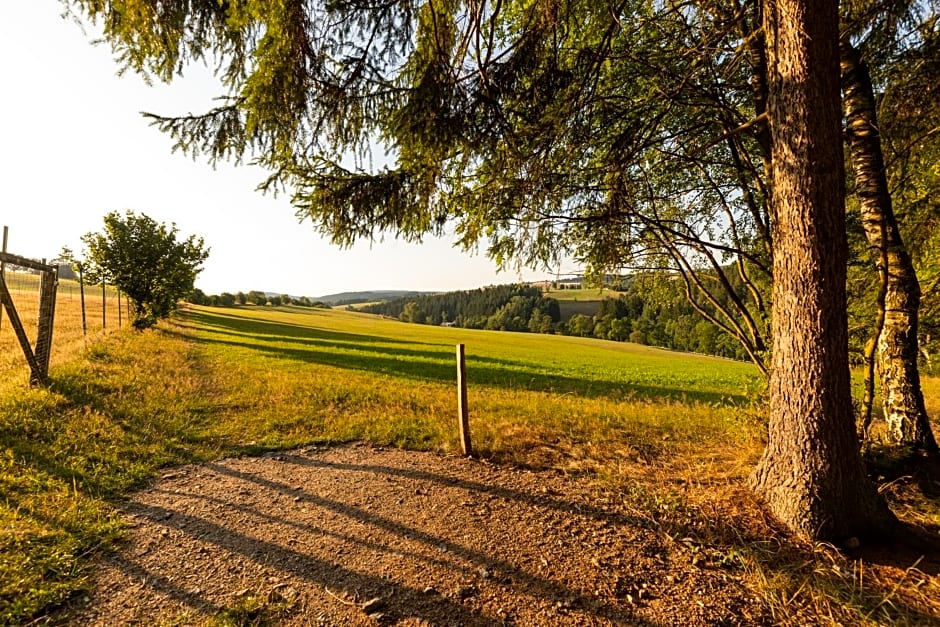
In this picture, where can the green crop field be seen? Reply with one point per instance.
(582, 294)
(673, 434)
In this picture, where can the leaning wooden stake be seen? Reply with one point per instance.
(462, 412)
(17, 324)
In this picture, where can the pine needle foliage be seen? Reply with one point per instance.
(629, 136)
(623, 135)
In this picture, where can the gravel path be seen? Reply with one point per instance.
(356, 535)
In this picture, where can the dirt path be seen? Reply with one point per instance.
(308, 537)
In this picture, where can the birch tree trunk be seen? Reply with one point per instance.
(896, 348)
(811, 473)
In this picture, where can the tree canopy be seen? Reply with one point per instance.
(624, 135)
(146, 261)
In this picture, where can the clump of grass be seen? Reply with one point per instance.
(255, 610)
(819, 584)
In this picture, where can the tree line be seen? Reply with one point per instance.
(500, 307)
(649, 310)
(254, 297)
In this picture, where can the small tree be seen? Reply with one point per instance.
(198, 297)
(146, 262)
(413, 313)
(257, 298)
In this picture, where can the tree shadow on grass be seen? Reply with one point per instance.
(389, 346)
(261, 327)
(380, 355)
(104, 465)
(277, 332)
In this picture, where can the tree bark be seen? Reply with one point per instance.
(811, 474)
(897, 348)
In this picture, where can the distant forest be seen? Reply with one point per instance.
(500, 308)
(254, 297)
(650, 310)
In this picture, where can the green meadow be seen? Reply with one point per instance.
(586, 293)
(672, 434)
(336, 375)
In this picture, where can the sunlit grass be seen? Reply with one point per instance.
(931, 389)
(569, 402)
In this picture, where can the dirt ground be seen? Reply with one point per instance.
(357, 535)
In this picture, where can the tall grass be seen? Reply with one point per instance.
(672, 435)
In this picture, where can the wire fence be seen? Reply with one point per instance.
(104, 312)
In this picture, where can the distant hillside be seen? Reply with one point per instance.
(499, 307)
(351, 298)
(649, 309)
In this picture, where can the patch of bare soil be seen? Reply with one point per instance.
(357, 535)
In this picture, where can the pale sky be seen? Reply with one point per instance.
(75, 147)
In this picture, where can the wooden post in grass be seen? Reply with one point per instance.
(47, 290)
(81, 291)
(104, 306)
(6, 232)
(462, 412)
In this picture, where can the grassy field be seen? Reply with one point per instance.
(672, 434)
(582, 294)
(581, 301)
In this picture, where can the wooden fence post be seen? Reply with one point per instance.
(47, 290)
(6, 232)
(104, 306)
(81, 291)
(462, 411)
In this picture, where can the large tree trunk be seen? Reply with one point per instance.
(897, 348)
(811, 473)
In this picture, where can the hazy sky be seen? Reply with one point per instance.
(75, 147)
